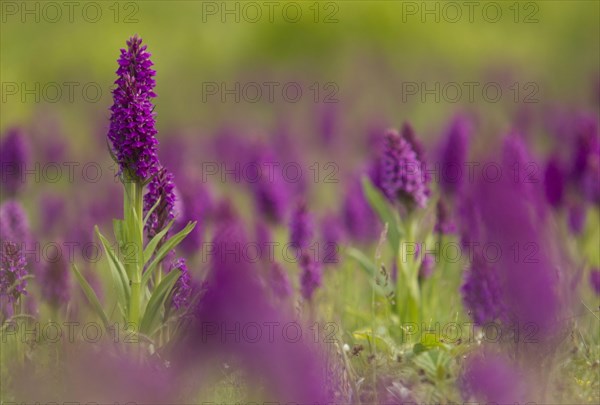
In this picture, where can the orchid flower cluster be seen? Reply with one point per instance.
(151, 282)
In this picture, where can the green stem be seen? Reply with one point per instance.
(133, 213)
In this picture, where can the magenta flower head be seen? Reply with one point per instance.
(444, 223)
(132, 125)
(401, 175)
(454, 155)
(12, 271)
(161, 190)
(14, 156)
(301, 227)
(279, 281)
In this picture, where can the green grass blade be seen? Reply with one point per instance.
(160, 294)
(91, 296)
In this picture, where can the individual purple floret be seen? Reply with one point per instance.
(132, 125)
(454, 155)
(162, 190)
(595, 280)
(310, 278)
(182, 290)
(12, 271)
(14, 156)
(401, 174)
(279, 280)
(482, 292)
(55, 279)
(301, 227)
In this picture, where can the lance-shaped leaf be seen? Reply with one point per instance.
(91, 296)
(152, 315)
(119, 275)
(164, 249)
(151, 247)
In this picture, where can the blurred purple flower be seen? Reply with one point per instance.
(492, 378)
(427, 266)
(12, 271)
(454, 153)
(53, 209)
(55, 278)
(198, 206)
(14, 158)
(310, 279)
(332, 234)
(234, 296)
(444, 223)
(554, 182)
(482, 292)
(401, 173)
(301, 227)
(161, 190)
(271, 191)
(328, 122)
(14, 225)
(132, 125)
(360, 222)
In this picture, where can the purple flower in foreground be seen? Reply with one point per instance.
(454, 155)
(401, 174)
(482, 292)
(595, 280)
(310, 278)
(162, 190)
(55, 279)
(14, 156)
(132, 126)
(12, 271)
(492, 378)
(301, 227)
(182, 290)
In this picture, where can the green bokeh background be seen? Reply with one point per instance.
(373, 46)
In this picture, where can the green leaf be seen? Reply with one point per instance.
(151, 211)
(120, 279)
(91, 296)
(119, 230)
(149, 251)
(160, 294)
(381, 284)
(380, 205)
(164, 249)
